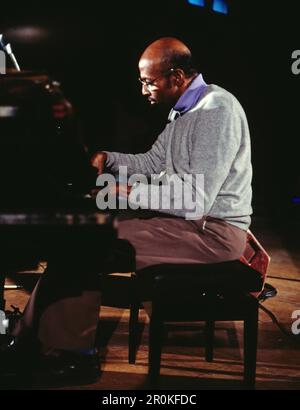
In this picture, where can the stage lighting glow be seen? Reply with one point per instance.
(220, 6)
(27, 34)
(200, 3)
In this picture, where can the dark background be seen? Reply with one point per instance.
(93, 48)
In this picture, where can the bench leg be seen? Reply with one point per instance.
(209, 340)
(250, 346)
(133, 327)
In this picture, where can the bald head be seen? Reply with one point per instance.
(166, 71)
(166, 53)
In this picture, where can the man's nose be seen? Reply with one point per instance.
(145, 90)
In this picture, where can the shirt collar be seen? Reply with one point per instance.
(189, 98)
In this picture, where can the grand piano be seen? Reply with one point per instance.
(45, 177)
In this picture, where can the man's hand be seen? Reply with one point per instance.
(123, 190)
(119, 190)
(98, 161)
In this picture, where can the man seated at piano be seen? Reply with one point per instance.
(206, 134)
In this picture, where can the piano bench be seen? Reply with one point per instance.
(207, 292)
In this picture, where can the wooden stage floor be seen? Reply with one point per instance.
(183, 365)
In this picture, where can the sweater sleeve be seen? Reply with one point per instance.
(151, 162)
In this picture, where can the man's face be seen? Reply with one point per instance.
(157, 84)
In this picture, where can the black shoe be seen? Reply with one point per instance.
(68, 368)
(17, 361)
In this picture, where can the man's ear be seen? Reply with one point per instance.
(179, 77)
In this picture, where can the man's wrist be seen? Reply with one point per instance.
(105, 156)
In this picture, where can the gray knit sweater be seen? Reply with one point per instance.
(211, 139)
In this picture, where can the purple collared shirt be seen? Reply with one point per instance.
(190, 97)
